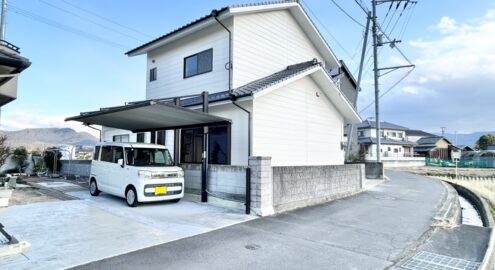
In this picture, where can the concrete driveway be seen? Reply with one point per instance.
(372, 230)
(69, 233)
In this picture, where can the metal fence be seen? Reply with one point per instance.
(481, 162)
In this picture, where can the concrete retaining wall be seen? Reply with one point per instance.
(224, 181)
(76, 167)
(374, 170)
(300, 186)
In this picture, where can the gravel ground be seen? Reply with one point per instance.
(23, 196)
(424, 170)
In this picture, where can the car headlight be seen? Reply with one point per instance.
(144, 174)
(180, 174)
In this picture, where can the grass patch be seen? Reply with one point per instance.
(492, 210)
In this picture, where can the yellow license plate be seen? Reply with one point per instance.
(160, 190)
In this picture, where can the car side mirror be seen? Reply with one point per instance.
(120, 161)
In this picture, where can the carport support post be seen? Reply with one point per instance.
(204, 168)
(176, 138)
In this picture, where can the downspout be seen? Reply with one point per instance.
(229, 64)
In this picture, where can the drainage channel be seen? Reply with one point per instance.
(470, 216)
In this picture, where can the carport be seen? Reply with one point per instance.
(160, 114)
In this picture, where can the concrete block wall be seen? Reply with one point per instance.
(261, 185)
(300, 186)
(76, 167)
(224, 181)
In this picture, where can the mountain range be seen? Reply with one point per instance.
(33, 138)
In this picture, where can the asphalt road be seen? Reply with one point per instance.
(368, 231)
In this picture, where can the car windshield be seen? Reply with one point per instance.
(145, 157)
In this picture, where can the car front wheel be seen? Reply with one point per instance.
(131, 197)
(93, 188)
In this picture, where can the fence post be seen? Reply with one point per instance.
(248, 191)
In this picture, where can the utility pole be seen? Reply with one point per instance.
(377, 42)
(443, 131)
(350, 130)
(3, 21)
(377, 79)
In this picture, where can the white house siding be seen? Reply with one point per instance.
(267, 42)
(239, 129)
(169, 61)
(107, 134)
(296, 127)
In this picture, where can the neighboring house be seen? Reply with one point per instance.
(413, 135)
(435, 147)
(267, 68)
(465, 148)
(394, 143)
(11, 65)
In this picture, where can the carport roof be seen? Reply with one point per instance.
(148, 116)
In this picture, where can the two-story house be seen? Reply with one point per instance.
(267, 68)
(394, 142)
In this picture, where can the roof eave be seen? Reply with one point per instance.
(181, 32)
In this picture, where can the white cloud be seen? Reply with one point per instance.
(447, 25)
(14, 120)
(453, 83)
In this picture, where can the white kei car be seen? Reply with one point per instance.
(138, 172)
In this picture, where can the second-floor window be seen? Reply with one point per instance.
(121, 138)
(153, 74)
(198, 63)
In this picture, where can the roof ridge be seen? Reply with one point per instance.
(263, 3)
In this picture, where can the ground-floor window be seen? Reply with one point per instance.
(160, 137)
(121, 138)
(140, 137)
(218, 144)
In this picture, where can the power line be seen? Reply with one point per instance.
(88, 20)
(348, 15)
(106, 19)
(58, 25)
(389, 89)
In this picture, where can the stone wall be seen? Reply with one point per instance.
(300, 186)
(76, 167)
(224, 181)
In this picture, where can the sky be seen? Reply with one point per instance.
(78, 63)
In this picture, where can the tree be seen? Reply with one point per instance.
(48, 157)
(20, 156)
(4, 150)
(485, 141)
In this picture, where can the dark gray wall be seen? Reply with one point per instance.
(76, 167)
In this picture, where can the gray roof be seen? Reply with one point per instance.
(384, 125)
(213, 13)
(423, 149)
(431, 140)
(275, 78)
(370, 140)
(255, 86)
(419, 133)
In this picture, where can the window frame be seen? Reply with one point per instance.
(121, 136)
(153, 76)
(141, 134)
(197, 64)
(229, 146)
